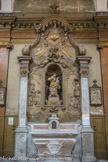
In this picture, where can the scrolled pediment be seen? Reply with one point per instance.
(47, 33)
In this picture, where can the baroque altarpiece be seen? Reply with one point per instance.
(54, 94)
(55, 52)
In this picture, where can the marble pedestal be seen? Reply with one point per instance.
(21, 143)
(87, 145)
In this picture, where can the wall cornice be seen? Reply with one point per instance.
(84, 28)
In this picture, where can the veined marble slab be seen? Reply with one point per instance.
(23, 102)
(85, 101)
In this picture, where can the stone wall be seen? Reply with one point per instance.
(43, 5)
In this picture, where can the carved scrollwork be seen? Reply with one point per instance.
(26, 49)
(34, 93)
(79, 47)
(74, 103)
(55, 56)
(33, 96)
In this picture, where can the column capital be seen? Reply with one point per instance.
(83, 61)
(25, 59)
(24, 62)
(6, 45)
(102, 45)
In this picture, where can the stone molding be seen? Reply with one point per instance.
(102, 45)
(79, 26)
(75, 23)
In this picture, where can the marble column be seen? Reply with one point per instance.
(21, 131)
(87, 132)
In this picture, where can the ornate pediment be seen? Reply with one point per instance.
(54, 47)
(52, 29)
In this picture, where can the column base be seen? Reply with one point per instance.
(21, 143)
(88, 144)
(88, 159)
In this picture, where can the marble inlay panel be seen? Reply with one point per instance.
(23, 101)
(85, 101)
(87, 144)
(54, 147)
(21, 145)
(3, 71)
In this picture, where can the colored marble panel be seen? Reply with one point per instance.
(3, 65)
(2, 110)
(23, 102)
(104, 62)
(20, 145)
(4, 34)
(84, 34)
(23, 34)
(3, 71)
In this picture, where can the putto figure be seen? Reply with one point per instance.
(54, 85)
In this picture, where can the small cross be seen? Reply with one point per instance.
(95, 81)
(54, 8)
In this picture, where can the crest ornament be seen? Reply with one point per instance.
(54, 147)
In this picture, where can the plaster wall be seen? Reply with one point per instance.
(13, 81)
(43, 5)
(7, 6)
(102, 5)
